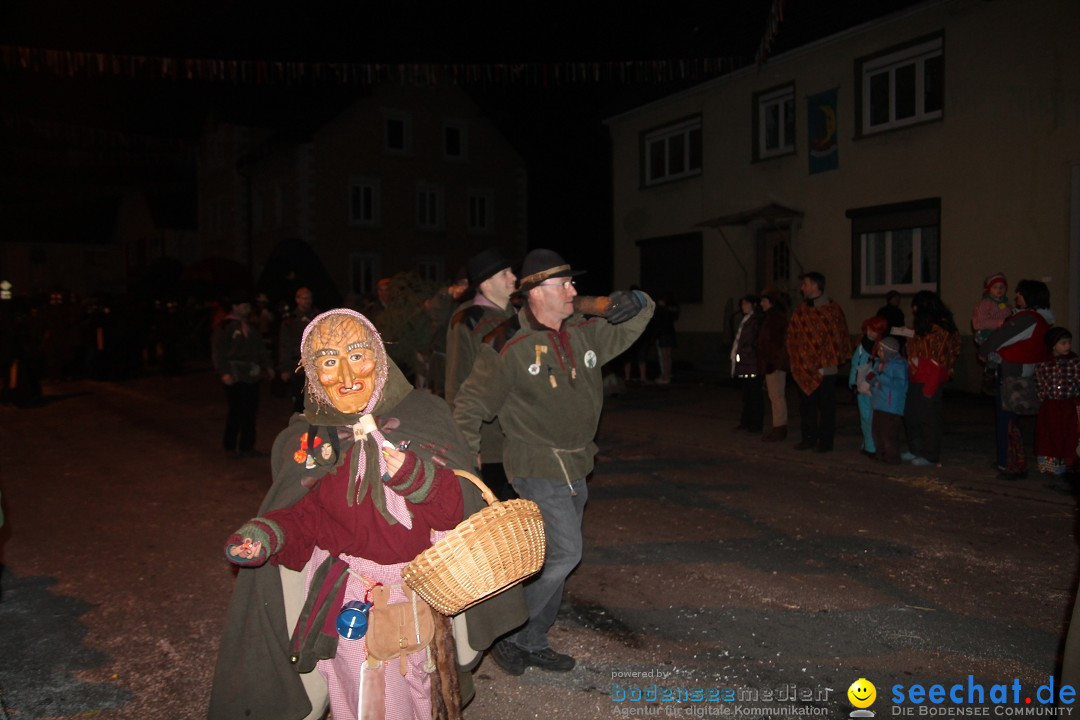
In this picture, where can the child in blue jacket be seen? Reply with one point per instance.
(889, 383)
(862, 362)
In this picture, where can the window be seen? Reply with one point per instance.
(672, 152)
(774, 122)
(398, 133)
(455, 140)
(896, 247)
(428, 207)
(429, 268)
(365, 269)
(480, 203)
(901, 86)
(364, 202)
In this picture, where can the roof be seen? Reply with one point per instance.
(771, 214)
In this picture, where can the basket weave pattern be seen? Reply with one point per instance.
(486, 553)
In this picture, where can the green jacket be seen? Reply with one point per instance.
(234, 352)
(464, 337)
(547, 389)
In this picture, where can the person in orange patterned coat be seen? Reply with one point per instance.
(932, 354)
(817, 342)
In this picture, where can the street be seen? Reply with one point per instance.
(713, 561)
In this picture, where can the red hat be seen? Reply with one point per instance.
(995, 279)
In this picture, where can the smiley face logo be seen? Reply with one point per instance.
(862, 693)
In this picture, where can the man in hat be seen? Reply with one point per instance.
(540, 372)
(491, 274)
(429, 326)
(817, 342)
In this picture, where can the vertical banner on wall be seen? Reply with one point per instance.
(821, 130)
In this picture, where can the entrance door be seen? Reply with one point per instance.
(775, 267)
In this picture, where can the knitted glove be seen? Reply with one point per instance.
(261, 530)
(415, 480)
(625, 305)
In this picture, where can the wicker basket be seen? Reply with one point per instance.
(487, 553)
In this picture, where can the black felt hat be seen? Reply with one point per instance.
(541, 264)
(486, 263)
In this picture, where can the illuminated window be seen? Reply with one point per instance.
(774, 126)
(672, 152)
(896, 247)
(901, 86)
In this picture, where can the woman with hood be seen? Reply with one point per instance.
(332, 528)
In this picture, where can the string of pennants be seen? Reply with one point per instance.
(75, 64)
(772, 27)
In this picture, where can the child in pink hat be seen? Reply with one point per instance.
(993, 309)
(989, 314)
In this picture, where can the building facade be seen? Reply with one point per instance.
(925, 150)
(407, 178)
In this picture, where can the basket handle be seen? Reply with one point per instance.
(489, 497)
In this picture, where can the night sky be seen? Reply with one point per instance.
(52, 162)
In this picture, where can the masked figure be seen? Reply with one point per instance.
(349, 508)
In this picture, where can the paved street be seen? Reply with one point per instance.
(713, 561)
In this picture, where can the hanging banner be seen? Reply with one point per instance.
(68, 64)
(821, 131)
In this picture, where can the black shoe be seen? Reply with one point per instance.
(548, 659)
(823, 448)
(509, 657)
(806, 445)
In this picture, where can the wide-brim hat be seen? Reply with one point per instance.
(486, 263)
(542, 264)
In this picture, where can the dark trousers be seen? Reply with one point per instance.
(240, 422)
(1003, 421)
(562, 510)
(885, 427)
(922, 422)
(753, 403)
(817, 414)
(494, 476)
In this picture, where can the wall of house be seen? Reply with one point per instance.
(1000, 160)
(258, 188)
(280, 200)
(353, 145)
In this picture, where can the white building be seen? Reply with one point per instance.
(924, 150)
